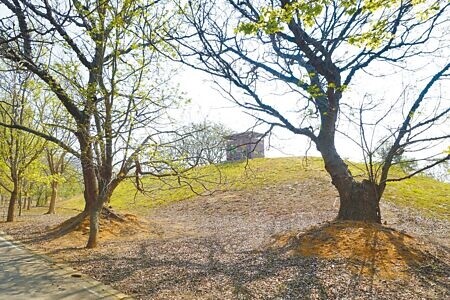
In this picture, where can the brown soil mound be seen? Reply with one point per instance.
(112, 225)
(371, 249)
(127, 224)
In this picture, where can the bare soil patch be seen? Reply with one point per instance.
(111, 227)
(215, 247)
(374, 250)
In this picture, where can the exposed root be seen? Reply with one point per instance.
(108, 213)
(69, 225)
(111, 226)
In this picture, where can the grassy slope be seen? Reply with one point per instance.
(420, 192)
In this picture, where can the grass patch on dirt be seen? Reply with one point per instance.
(421, 192)
(245, 175)
(371, 249)
(424, 193)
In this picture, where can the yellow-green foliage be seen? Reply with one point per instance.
(420, 192)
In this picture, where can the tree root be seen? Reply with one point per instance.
(77, 221)
(69, 225)
(108, 213)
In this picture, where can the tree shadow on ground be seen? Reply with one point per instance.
(405, 258)
(371, 255)
(201, 266)
(205, 266)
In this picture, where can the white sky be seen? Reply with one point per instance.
(208, 103)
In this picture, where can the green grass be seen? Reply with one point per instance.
(253, 174)
(423, 193)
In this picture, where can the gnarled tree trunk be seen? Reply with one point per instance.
(359, 201)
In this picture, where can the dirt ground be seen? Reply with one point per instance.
(222, 247)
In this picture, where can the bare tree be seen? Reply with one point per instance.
(56, 161)
(310, 55)
(201, 143)
(113, 86)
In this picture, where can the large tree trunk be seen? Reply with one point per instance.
(51, 208)
(91, 195)
(359, 201)
(12, 204)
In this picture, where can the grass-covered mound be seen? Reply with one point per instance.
(420, 192)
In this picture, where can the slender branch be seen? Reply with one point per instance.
(44, 136)
(420, 170)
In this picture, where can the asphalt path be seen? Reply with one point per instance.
(25, 275)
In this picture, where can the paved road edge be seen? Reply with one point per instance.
(106, 288)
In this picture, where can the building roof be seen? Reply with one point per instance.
(247, 134)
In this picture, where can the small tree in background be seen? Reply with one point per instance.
(201, 143)
(18, 150)
(399, 159)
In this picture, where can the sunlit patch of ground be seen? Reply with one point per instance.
(372, 249)
(118, 227)
(214, 247)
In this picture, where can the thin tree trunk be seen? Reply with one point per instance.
(20, 201)
(38, 199)
(28, 201)
(51, 208)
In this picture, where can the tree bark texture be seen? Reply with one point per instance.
(94, 218)
(12, 205)
(359, 201)
(52, 206)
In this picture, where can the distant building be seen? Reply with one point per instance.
(244, 145)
